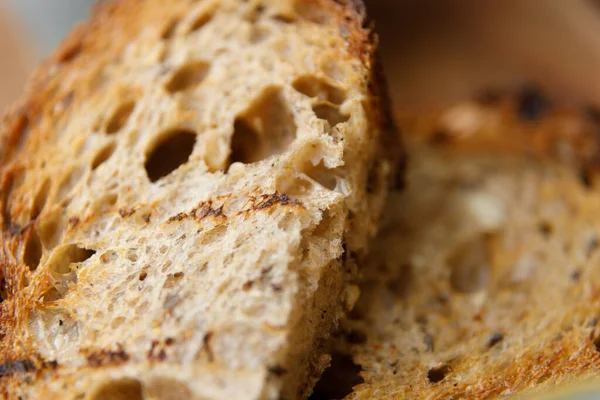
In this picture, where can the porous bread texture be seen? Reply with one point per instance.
(185, 188)
(485, 280)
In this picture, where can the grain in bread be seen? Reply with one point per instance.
(186, 186)
(485, 280)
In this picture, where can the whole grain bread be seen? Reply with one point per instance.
(485, 280)
(186, 188)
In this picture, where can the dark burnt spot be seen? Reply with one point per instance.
(203, 210)
(576, 275)
(278, 370)
(162, 355)
(206, 210)
(16, 367)
(269, 200)
(169, 341)
(495, 339)
(179, 217)
(105, 357)
(208, 347)
(532, 106)
(126, 212)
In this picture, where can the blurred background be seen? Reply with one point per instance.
(29, 30)
(434, 51)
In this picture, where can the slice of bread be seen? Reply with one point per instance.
(486, 280)
(186, 188)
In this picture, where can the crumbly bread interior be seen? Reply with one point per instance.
(485, 280)
(186, 188)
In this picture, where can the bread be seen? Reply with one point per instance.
(186, 188)
(485, 280)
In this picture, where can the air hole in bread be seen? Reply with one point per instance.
(169, 29)
(120, 117)
(32, 254)
(327, 178)
(40, 199)
(172, 280)
(109, 257)
(118, 389)
(63, 259)
(295, 188)
(330, 113)
(202, 19)
(435, 375)
(69, 181)
(187, 77)
(266, 129)
(311, 11)
(51, 229)
(170, 152)
(338, 380)
(470, 266)
(314, 87)
(104, 202)
(103, 155)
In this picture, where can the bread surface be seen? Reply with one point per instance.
(186, 188)
(485, 280)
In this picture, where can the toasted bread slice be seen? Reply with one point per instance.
(484, 281)
(185, 189)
